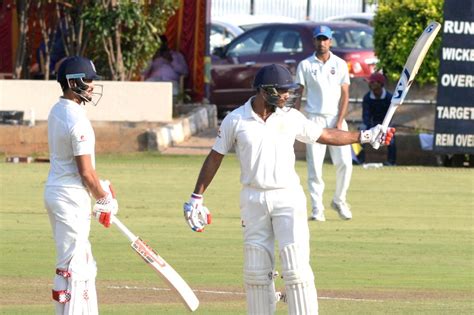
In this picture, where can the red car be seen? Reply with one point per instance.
(235, 65)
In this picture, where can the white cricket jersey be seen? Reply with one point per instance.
(70, 134)
(322, 82)
(265, 149)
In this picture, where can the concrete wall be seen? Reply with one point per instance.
(115, 137)
(121, 101)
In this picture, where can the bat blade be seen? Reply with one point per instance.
(167, 273)
(164, 270)
(412, 65)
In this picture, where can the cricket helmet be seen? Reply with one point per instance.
(275, 80)
(74, 73)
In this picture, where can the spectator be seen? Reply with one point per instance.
(167, 65)
(374, 107)
(57, 53)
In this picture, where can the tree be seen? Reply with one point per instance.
(125, 34)
(398, 24)
(22, 8)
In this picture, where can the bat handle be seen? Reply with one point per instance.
(132, 237)
(386, 121)
(388, 116)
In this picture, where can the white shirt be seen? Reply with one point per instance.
(322, 82)
(265, 149)
(70, 134)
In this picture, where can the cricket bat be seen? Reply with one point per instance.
(410, 69)
(155, 261)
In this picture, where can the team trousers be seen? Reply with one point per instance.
(69, 211)
(277, 214)
(341, 157)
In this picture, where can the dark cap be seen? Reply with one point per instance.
(274, 75)
(322, 30)
(79, 67)
(377, 77)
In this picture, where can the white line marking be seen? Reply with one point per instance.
(126, 287)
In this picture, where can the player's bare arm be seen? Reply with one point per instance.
(375, 135)
(333, 136)
(208, 171)
(89, 176)
(343, 105)
(195, 213)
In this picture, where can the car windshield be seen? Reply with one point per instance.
(352, 39)
(248, 45)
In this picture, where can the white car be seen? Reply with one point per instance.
(225, 28)
(364, 18)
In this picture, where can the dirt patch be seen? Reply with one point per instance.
(15, 291)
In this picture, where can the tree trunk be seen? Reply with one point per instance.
(22, 8)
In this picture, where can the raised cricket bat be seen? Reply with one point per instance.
(155, 261)
(410, 69)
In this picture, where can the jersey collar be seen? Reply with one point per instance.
(384, 93)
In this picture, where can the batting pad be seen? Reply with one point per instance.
(81, 283)
(299, 282)
(258, 278)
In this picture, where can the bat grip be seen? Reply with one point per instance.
(386, 121)
(132, 237)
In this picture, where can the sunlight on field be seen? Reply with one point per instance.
(408, 249)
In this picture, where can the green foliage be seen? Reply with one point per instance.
(398, 24)
(124, 34)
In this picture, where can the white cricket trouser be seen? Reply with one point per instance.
(280, 214)
(341, 157)
(274, 214)
(69, 211)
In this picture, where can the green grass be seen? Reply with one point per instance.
(408, 250)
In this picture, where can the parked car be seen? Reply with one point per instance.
(226, 28)
(364, 18)
(235, 65)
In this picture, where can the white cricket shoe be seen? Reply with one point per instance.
(343, 209)
(318, 215)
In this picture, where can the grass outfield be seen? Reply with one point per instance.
(408, 250)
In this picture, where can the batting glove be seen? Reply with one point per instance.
(196, 215)
(106, 206)
(377, 136)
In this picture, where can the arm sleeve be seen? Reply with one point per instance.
(345, 79)
(225, 136)
(83, 138)
(179, 63)
(300, 74)
(308, 131)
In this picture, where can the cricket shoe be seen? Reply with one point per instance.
(342, 209)
(318, 215)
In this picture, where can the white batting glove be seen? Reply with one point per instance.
(377, 136)
(196, 215)
(106, 206)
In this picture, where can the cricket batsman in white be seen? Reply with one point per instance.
(72, 180)
(272, 200)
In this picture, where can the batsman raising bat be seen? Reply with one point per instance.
(72, 180)
(272, 200)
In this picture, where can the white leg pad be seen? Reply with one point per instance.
(80, 285)
(258, 278)
(301, 292)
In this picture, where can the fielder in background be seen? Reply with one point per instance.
(374, 107)
(272, 200)
(325, 79)
(72, 180)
